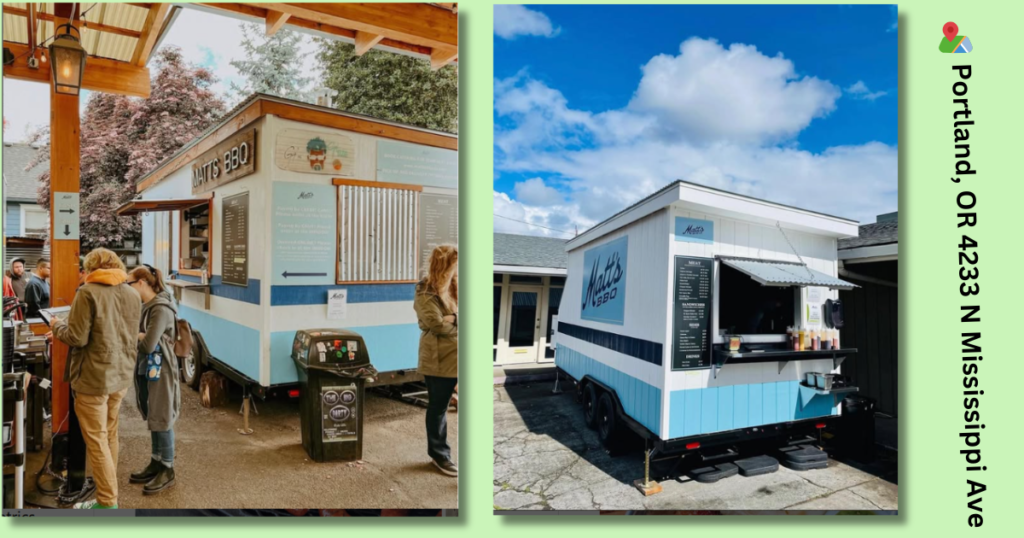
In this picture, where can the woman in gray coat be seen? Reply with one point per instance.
(156, 376)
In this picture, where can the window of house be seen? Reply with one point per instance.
(35, 221)
(196, 240)
(747, 307)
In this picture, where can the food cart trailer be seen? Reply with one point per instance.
(657, 293)
(288, 216)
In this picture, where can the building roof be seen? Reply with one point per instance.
(876, 233)
(530, 251)
(689, 195)
(20, 185)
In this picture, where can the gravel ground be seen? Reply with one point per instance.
(545, 458)
(218, 468)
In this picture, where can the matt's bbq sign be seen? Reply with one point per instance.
(232, 159)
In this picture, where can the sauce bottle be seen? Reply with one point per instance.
(815, 340)
(802, 341)
(835, 339)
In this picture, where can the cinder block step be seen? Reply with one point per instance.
(806, 466)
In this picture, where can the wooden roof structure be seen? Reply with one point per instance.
(121, 38)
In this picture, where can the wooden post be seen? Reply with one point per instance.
(65, 153)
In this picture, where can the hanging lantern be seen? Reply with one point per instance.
(67, 58)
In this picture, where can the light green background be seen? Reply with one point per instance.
(932, 480)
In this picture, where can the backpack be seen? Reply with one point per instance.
(182, 335)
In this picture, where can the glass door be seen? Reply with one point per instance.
(523, 325)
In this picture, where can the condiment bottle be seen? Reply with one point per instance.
(802, 342)
(835, 339)
(794, 340)
(815, 340)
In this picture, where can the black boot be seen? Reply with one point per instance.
(163, 480)
(148, 473)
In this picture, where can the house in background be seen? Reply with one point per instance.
(529, 274)
(871, 260)
(26, 223)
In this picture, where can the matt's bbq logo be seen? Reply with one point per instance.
(604, 281)
(694, 230)
(604, 291)
(230, 160)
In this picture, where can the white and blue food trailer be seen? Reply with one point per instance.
(288, 216)
(655, 292)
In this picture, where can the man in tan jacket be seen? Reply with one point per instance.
(102, 329)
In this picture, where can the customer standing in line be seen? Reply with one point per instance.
(157, 388)
(18, 278)
(437, 307)
(37, 290)
(102, 331)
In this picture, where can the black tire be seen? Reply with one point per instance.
(192, 366)
(590, 398)
(609, 426)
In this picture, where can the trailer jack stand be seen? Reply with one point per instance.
(558, 388)
(647, 486)
(246, 402)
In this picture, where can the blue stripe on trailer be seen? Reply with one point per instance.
(717, 409)
(640, 400)
(247, 294)
(391, 347)
(357, 293)
(644, 350)
(233, 344)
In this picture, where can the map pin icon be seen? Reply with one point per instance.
(950, 29)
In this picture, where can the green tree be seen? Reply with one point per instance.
(391, 86)
(272, 65)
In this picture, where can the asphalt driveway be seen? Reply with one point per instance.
(545, 458)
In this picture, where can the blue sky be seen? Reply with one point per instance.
(736, 97)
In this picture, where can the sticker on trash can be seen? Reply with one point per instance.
(338, 406)
(353, 345)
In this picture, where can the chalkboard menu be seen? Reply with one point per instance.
(691, 313)
(439, 224)
(234, 259)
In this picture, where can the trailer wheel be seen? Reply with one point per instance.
(192, 366)
(609, 427)
(590, 405)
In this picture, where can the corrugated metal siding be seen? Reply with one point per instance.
(96, 43)
(29, 254)
(377, 234)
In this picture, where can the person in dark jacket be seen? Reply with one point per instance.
(18, 277)
(437, 307)
(156, 377)
(37, 290)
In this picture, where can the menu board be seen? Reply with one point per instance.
(691, 313)
(439, 224)
(234, 261)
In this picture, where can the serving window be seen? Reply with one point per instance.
(749, 308)
(196, 231)
(377, 232)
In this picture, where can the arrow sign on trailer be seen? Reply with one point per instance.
(67, 229)
(70, 211)
(286, 274)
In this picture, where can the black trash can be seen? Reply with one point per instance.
(859, 427)
(333, 366)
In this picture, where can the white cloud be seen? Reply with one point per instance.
(535, 192)
(605, 161)
(709, 93)
(511, 21)
(859, 90)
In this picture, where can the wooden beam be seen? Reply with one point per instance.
(89, 25)
(101, 74)
(418, 24)
(275, 20)
(366, 41)
(32, 17)
(150, 33)
(442, 57)
(358, 125)
(65, 156)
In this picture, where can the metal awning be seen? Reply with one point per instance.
(779, 273)
(138, 206)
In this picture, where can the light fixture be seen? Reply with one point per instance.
(68, 60)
